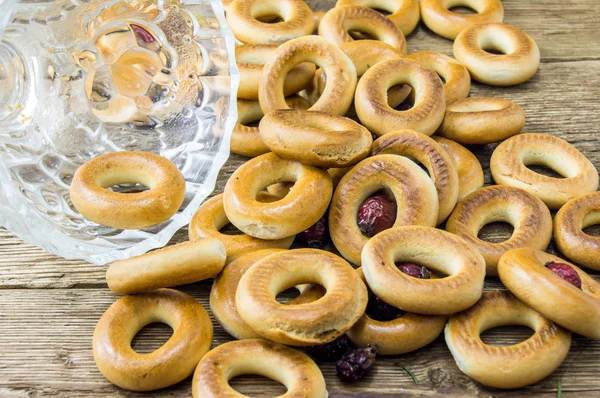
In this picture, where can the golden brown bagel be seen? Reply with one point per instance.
(305, 324)
(168, 365)
(524, 273)
(426, 151)
(518, 62)
(92, 198)
(371, 98)
(403, 13)
(301, 208)
(339, 21)
(511, 366)
(510, 160)
(571, 219)
(430, 247)
(211, 217)
(292, 368)
(413, 191)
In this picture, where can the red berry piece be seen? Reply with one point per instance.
(566, 272)
(381, 311)
(316, 235)
(330, 352)
(355, 364)
(376, 214)
(414, 270)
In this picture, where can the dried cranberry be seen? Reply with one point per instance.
(355, 364)
(566, 272)
(330, 352)
(414, 270)
(315, 236)
(376, 214)
(381, 311)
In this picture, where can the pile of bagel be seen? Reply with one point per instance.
(339, 120)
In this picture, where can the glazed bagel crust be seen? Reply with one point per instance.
(512, 366)
(482, 120)
(292, 368)
(339, 21)
(470, 173)
(524, 273)
(95, 202)
(430, 154)
(571, 219)
(413, 190)
(518, 62)
(171, 363)
(528, 215)
(371, 98)
(509, 167)
(403, 13)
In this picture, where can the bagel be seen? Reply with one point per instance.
(168, 365)
(430, 247)
(511, 366)
(482, 120)
(413, 192)
(306, 324)
(524, 273)
(292, 368)
(371, 98)
(510, 160)
(92, 198)
(426, 151)
(518, 62)
(403, 13)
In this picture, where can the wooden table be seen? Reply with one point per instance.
(49, 306)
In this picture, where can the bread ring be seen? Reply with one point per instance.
(176, 265)
(528, 215)
(482, 120)
(470, 173)
(426, 151)
(306, 324)
(399, 336)
(456, 76)
(371, 98)
(211, 217)
(412, 188)
(403, 13)
(569, 236)
(518, 62)
(437, 16)
(511, 366)
(292, 368)
(242, 17)
(338, 21)
(171, 363)
(430, 247)
(315, 138)
(301, 208)
(523, 271)
(510, 160)
(92, 198)
(341, 75)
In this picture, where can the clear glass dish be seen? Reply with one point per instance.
(80, 78)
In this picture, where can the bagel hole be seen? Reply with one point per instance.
(270, 19)
(151, 337)
(379, 214)
(462, 10)
(255, 385)
(230, 229)
(491, 49)
(544, 170)
(592, 230)
(506, 335)
(359, 35)
(496, 232)
(381, 311)
(287, 295)
(406, 104)
(128, 188)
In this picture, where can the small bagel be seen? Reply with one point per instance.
(412, 188)
(300, 209)
(242, 17)
(339, 21)
(482, 120)
(518, 62)
(292, 368)
(510, 160)
(371, 98)
(426, 151)
(305, 324)
(176, 265)
(528, 215)
(92, 198)
(571, 219)
(430, 247)
(437, 16)
(315, 138)
(470, 173)
(511, 366)
(168, 365)
(403, 13)
(524, 273)
(340, 71)
(211, 217)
